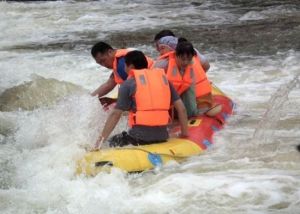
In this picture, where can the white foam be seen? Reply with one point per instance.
(252, 15)
(39, 148)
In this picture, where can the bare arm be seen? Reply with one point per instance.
(182, 116)
(109, 126)
(205, 64)
(105, 88)
(204, 61)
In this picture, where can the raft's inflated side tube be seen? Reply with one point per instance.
(137, 158)
(141, 158)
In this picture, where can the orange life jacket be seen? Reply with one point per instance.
(202, 84)
(122, 53)
(193, 73)
(152, 98)
(150, 62)
(180, 83)
(166, 55)
(119, 53)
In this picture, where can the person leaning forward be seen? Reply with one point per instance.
(110, 58)
(148, 115)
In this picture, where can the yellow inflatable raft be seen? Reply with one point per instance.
(140, 158)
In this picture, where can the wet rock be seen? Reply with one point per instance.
(36, 93)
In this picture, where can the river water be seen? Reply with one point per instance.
(47, 115)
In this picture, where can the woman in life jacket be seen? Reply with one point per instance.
(183, 69)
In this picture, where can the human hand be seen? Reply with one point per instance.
(178, 135)
(98, 144)
(174, 134)
(107, 100)
(183, 135)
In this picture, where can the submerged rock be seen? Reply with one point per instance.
(37, 93)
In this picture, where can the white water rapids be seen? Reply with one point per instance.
(47, 114)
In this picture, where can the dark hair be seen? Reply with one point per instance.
(137, 59)
(181, 39)
(185, 48)
(162, 34)
(100, 47)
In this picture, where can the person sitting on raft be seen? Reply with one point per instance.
(147, 95)
(185, 72)
(166, 41)
(110, 58)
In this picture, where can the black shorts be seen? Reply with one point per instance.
(124, 139)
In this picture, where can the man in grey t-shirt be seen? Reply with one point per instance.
(139, 134)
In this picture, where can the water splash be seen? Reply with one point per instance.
(266, 126)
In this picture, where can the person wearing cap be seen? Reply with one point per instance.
(185, 72)
(110, 58)
(169, 44)
(148, 115)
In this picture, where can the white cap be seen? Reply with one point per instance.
(170, 41)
